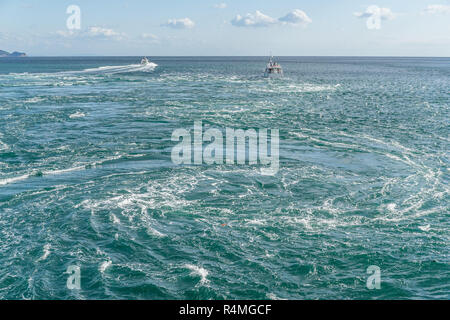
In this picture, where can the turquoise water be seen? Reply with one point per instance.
(86, 179)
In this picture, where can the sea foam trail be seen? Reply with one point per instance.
(37, 173)
(15, 179)
(100, 70)
(121, 69)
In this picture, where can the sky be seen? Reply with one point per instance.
(226, 27)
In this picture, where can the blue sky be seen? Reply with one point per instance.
(228, 27)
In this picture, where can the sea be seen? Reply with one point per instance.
(92, 205)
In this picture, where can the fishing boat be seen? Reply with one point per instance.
(273, 69)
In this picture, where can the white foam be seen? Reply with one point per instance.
(105, 265)
(26, 176)
(115, 219)
(3, 146)
(62, 171)
(154, 195)
(391, 207)
(121, 69)
(294, 88)
(198, 271)
(100, 70)
(272, 296)
(154, 232)
(15, 179)
(77, 115)
(46, 252)
(300, 135)
(34, 100)
(58, 171)
(259, 222)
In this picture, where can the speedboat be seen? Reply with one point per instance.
(273, 69)
(144, 61)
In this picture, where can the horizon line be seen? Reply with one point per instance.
(224, 56)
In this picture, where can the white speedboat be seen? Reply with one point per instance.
(273, 69)
(144, 61)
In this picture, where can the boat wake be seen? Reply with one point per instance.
(54, 172)
(105, 70)
(121, 69)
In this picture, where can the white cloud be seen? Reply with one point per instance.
(437, 9)
(296, 17)
(253, 20)
(149, 36)
(375, 15)
(92, 32)
(4, 36)
(220, 5)
(185, 23)
(376, 12)
(65, 34)
(103, 32)
(258, 19)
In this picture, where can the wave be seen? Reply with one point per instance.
(39, 173)
(34, 100)
(3, 146)
(77, 115)
(62, 171)
(15, 179)
(46, 253)
(105, 266)
(198, 271)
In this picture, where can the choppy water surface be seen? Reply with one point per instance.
(86, 179)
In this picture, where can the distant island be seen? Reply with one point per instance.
(4, 54)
